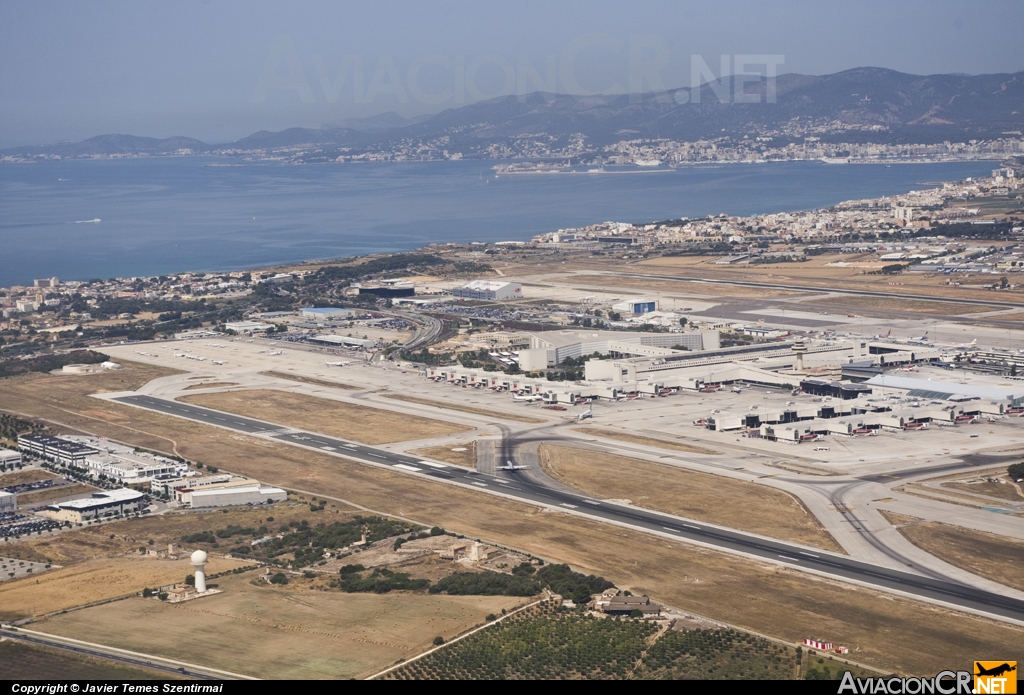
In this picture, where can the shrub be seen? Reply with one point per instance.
(279, 578)
(438, 641)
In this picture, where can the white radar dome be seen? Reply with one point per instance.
(198, 557)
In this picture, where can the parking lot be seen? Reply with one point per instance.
(13, 524)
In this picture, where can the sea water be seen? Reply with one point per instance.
(83, 219)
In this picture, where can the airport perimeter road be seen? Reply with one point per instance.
(810, 288)
(110, 656)
(514, 484)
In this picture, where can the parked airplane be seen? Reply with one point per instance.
(509, 466)
(276, 352)
(337, 364)
(218, 361)
(588, 413)
(971, 344)
(528, 399)
(921, 338)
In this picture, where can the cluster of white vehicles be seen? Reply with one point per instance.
(507, 358)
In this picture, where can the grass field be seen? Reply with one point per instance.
(310, 380)
(448, 405)
(272, 633)
(19, 661)
(998, 558)
(31, 499)
(465, 458)
(700, 496)
(94, 580)
(646, 441)
(359, 423)
(19, 477)
(894, 633)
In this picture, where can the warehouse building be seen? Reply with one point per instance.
(100, 505)
(247, 326)
(322, 313)
(489, 289)
(247, 494)
(636, 306)
(167, 484)
(342, 341)
(9, 458)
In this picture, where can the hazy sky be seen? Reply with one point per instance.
(218, 70)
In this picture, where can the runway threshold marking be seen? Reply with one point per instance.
(791, 559)
(570, 506)
(435, 465)
(328, 448)
(404, 467)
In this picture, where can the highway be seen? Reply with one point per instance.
(516, 484)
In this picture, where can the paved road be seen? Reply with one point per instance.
(518, 485)
(110, 656)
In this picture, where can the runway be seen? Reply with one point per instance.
(516, 485)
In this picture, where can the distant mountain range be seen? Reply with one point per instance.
(873, 104)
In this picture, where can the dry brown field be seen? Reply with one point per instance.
(687, 287)
(893, 633)
(691, 494)
(94, 580)
(895, 304)
(646, 441)
(210, 385)
(1002, 491)
(448, 405)
(361, 423)
(20, 661)
(310, 380)
(31, 499)
(279, 633)
(466, 459)
(998, 558)
(815, 274)
(120, 537)
(19, 477)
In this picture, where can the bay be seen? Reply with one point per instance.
(171, 214)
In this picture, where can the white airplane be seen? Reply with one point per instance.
(528, 399)
(588, 413)
(218, 361)
(509, 466)
(276, 352)
(921, 338)
(337, 364)
(973, 343)
(737, 389)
